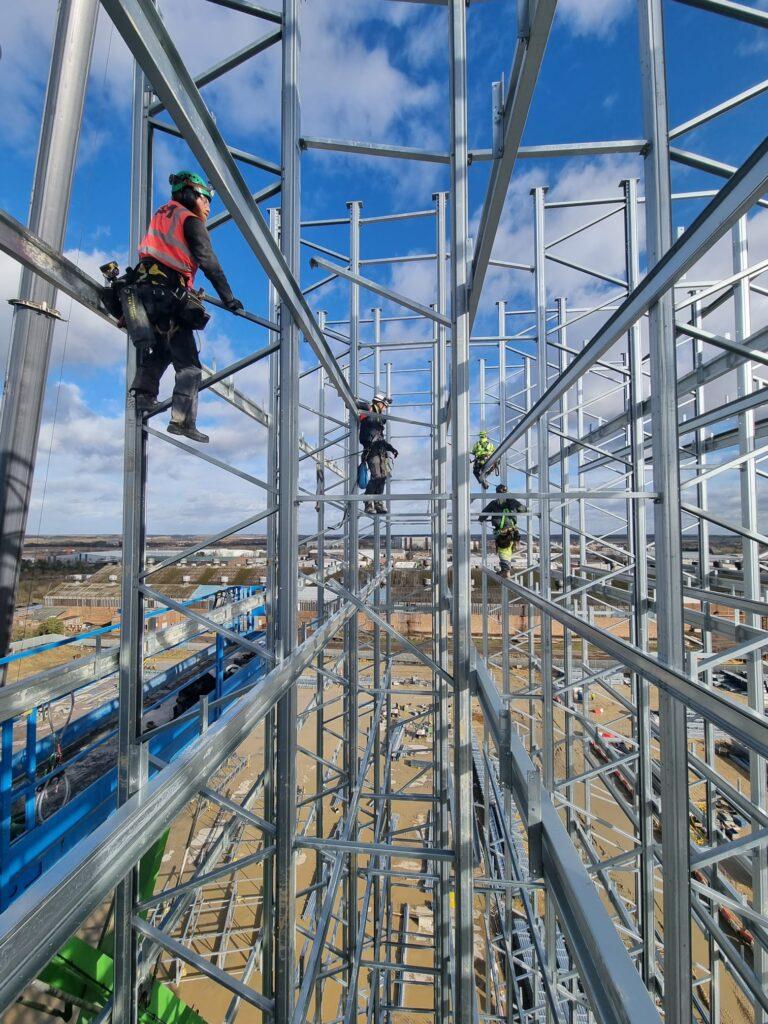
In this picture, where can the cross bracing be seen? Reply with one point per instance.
(527, 811)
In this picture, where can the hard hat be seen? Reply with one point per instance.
(188, 179)
(483, 433)
(501, 488)
(381, 398)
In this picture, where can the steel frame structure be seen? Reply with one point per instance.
(577, 861)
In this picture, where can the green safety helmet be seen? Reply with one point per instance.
(188, 179)
(483, 433)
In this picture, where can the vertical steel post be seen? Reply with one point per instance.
(352, 580)
(666, 482)
(125, 1003)
(561, 304)
(379, 816)
(484, 537)
(287, 530)
(320, 680)
(464, 1007)
(440, 571)
(268, 894)
(545, 568)
(639, 624)
(751, 573)
(33, 324)
(509, 899)
(388, 981)
(705, 568)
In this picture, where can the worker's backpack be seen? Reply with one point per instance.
(363, 475)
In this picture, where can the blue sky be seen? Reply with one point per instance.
(373, 71)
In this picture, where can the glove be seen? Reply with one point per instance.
(233, 305)
(394, 452)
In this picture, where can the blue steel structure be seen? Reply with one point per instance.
(28, 845)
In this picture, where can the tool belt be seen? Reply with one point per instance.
(152, 300)
(507, 537)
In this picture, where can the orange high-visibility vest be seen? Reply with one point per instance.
(164, 241)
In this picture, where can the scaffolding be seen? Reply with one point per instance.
(529, 815)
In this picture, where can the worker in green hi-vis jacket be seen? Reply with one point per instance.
(502, 513)
(482, 451)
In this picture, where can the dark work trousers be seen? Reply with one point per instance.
(177, 347)
(380, 469)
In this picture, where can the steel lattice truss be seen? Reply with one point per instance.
(529, 858)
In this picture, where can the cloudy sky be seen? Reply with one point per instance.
(372, 70)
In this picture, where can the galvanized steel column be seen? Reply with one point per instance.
(666, 484)
(270, 811)
(752, 591)
(352, 580)
(440, 574)
(287, 530)
(639, 622)
(33, 325)
(464, 1007)
(129, 775)
(545, 554)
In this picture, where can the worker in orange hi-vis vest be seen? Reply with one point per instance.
(175, 246)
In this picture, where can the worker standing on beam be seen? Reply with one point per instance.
(482, 451)
(376, 448)
(176, 244)
(502, 513)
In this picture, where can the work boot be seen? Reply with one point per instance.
(369, 507)
(504, 573)
(381, 508)
(145, 404)
(188, 431)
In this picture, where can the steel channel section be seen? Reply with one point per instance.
(440, 576)
(32, 332)
(287, 529)
(705, 567)
(352, 576)
(145, 35)
(673, 745)
(639, 628)
(533, 34)
(54, 907)
(351, 637)
(388, 699)
(561, 305)
(752, 590)
(379, 816)
(464, 1006)
(270, 765)
(131, 664)
(320, 681)
(547, 724)
(509, 967)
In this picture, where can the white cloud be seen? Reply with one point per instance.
(593, 17)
